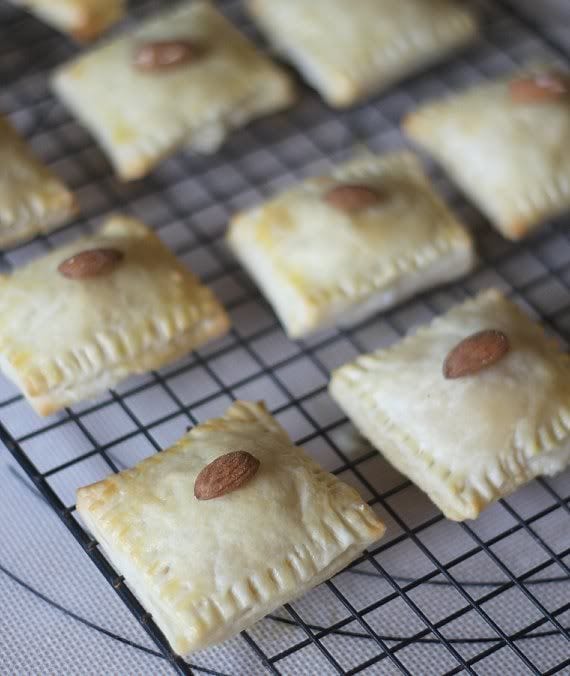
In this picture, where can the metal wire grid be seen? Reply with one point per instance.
(189, 201)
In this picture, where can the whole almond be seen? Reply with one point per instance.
(165, 54)
(225, 474)
(540, 88)
(475, 353)
(352, 197)
(90, 263)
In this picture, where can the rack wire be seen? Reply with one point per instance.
(434, 596)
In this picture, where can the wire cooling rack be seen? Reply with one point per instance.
(484, 597)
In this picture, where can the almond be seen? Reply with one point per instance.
(156, 56)
(352, 197)
(476, 352)
(225, 474)
(540, 88)
(90, 263)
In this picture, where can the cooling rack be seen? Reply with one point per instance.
(484, 597)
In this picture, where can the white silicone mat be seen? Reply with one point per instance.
(486, 597)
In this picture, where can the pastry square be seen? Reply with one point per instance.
(185, 77)
(86, 316)
(468, 421)
(341, 247)
(32, 198)
(506, 144)
(350, 50)
(83, 19)
(208, 568)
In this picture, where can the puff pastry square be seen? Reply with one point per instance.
(350, 50)
(83, 19)
(511, 157)
(63, 340)
(471, 440)
(206, 570)
(195, 104)
(318, 264)
(32, 198)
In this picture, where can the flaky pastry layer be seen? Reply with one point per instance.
(209, 569)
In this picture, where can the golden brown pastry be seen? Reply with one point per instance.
(86, 316)
(338, 248)
(506, 145)
(469, 408)
(83, 19)
(32, 199)
(183, 78)
(350, 50)
(225, 526)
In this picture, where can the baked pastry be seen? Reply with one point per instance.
(350, 50)
(83, 19)
(338, 248)
(469, 408)
(32, 198)
(505, 144)
(183, 77)
(82, 318)
(225, 526)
